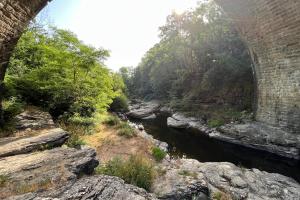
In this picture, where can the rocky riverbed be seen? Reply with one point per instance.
(36, 167)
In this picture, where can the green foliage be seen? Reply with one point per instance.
(213, 123)
(187, 173)
(75, 131)
(126, 130)
(3, 180)
(74, 141)
(119, 104)
(12, 107)
(52, 68)
(112, 120)
(221, 196)
(136, 170)
(158, 154)
(199, 59)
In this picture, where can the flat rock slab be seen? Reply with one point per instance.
(47, 139)
(93, 188)
(34, 119)
(27, 172)
(261, 136)
(143, 110)
(187, 178)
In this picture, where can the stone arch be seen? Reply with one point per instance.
(270, 28)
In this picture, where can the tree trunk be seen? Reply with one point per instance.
(3, 68)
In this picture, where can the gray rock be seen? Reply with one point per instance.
(143, 110)
(152, 116)
(142, 133)
(174, 123)
(140, 127)
(33, 119)
(180, 121)
(261, 136)
(93, 188)
(187, 178)
(166, 109)
(180, 180)
(47, 139)
(54, 167)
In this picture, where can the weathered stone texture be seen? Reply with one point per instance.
(14, 17)
(271, 29)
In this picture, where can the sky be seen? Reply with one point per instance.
(128, 28)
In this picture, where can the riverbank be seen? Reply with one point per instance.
(247, 133)
(46, 168)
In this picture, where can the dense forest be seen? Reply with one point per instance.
(200, 62)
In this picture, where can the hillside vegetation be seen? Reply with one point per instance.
(200, 63)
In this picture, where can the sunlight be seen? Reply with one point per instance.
(178, 11)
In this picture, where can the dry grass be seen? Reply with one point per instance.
(109, 144)
(221, 196)
(11, 189)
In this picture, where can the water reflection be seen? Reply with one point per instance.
(195, 145)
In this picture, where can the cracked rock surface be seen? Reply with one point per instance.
(51, 167)
(188, 178)
(46, 139)
(95, 187)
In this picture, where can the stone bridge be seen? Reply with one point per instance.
(271, 29)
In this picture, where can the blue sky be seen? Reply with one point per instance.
(128, 28)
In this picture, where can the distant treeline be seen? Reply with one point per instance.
(200, 59)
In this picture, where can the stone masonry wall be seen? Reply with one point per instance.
(271, 28)
(14, 17)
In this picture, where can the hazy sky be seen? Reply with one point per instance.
(128, 28)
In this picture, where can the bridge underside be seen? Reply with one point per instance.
(271, 29)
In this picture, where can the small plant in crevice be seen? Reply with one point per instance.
(214, 123)
(221, 196)
(137, 170)
(158, 154)
(187, 173)
(3, 180)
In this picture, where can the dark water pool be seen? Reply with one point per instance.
(198, 146)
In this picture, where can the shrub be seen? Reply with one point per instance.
(11, 108)
(213, 123)
(221, 196)
(158, 154)
(75, 131)
(74, 141)
(119, 104)
(3, 180)
(81, 121)
(126, 130)
(136, 170)
(187, 173)
(112, 120)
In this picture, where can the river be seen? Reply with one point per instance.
(192, 144)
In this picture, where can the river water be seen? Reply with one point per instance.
(192, 144)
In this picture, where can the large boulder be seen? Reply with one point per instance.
(261, 136)
(47, 139)
(93, 188)
(180, 121)
(34, 119)
(187, 179)
(143, 110)
(55, 167)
